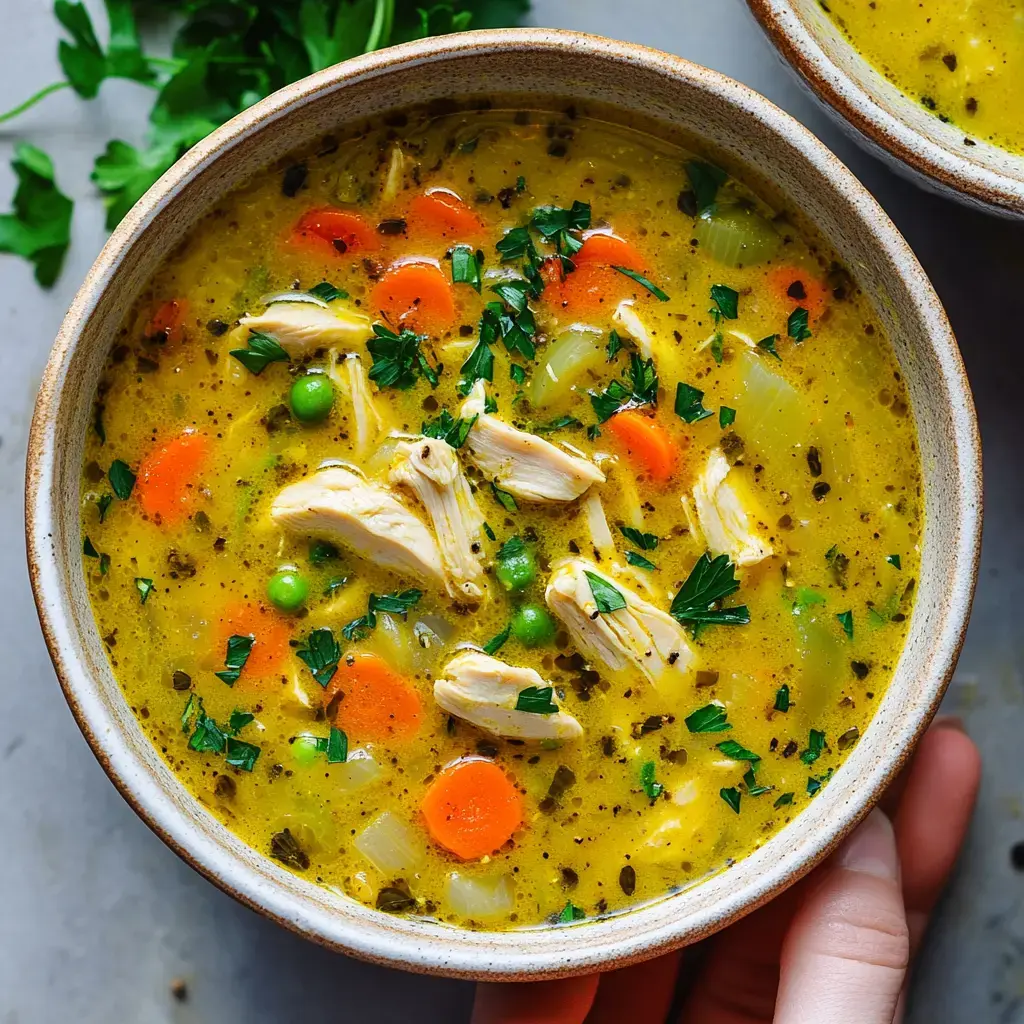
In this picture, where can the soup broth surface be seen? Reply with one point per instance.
(725, 447)
(963, 59)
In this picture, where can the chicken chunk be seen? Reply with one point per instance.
(626, 318)
(483, 691)
(430, 468)
(722, 517)
(354, 384)
(301, 327)
(637, 637)
(524, 464)
(342, 506)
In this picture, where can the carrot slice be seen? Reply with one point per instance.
(168, 477)
(610, 250)
(168, 321)
(376, 703)
(339, 230)
(794, 287)
(647, 442)
(416, 295)
(472, 808)
(590, 289)
(441, 212)
(270, 640)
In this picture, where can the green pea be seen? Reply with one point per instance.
(532, 625)
(305, 749)
(287, 590)
(312, 397)
(516, 566)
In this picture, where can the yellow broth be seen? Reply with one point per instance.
(823, 453)
(961, 59)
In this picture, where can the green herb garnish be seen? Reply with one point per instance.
(846, 621)
(710, 581)
(498, 641)
(466, 265)
(710, 718)
(644, 541)
(737, 752)
(239, 720)
(398, 360)
(815, 745)
(607, 598)
(240, 754)
(750, 781)
(321, 654)
(614, 345)
(639, 388)
(445, 428)
(337, 746)
(562, 423)
(732, 797)
(768, 345)
(503, 498)
(555, 224)
(328, 292)
(893, 560)
(641, 280)
(321, 551)
(784, 800)
(144, 587)
(797, 325)
(705, 180)
(238, 650)
(570, 912)
(690, 403)
(261, 352)
(536, 700)
(122, 479)
(479, 365)
(103, 504)
(639, 561)
(726, 417)
(782, 701)
(652, 788)
(726, 302)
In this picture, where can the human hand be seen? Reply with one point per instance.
(834, 949)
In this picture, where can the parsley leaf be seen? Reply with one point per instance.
(614, 345)
(238, 650)
(262, 350)
(690, 403)
(121, 478)
(445, 428)
(498, 641)
(737, 752)
(103, 504)
(705, 180)
(893, 560)
(768, 345)
(641, 280)
(39, 227)
(239, 720)
(554, 224)
(240, 754)
(846, 621)
(321, 654)
(321, 551)
(784, 801)
(732, 797)
(726, 303)
(478, 366)
(607, 598)
(144, 587)
(640, 388)
(711, 580)
(644, 541)
(328, 292)
(710, 718)
(466, 264)
(503, 498)
(562, 423)
(517, 374)
(652, 788)
(797, 325)
(536, 700)
(337, 746)
(570, 912)
(392, 604)
(639, 561)
(815, 745)
(750, 781)
(397, 359)
(782, 702)
(726, 417)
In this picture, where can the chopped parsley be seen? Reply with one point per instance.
(517, 374)
(144, 587)
(644, 541)
(737, 752)
(750, 781)
(562, 423)
(89, 549)
(398, 360)
(607, 598)
(732, 797)
(768, 345)
(479, 365)
(240, 754)
(726, 417)
(321, 654)
(238, 650)
(639, 561)
(503, 498)
(710, 718)
(466, 265)
(103, 504)
(554, 224)
(239, 720)
(537, 700)
(813, 785)
(336, 746)
(846, 621)
(445, 428)
(783, 801)
(400, 603)
(710, 581)
(705, 180)
(328, 292)
(652, 788)
(262, 350)
(726, 303)
(321, 551)
(782, 701)
(690, 403)
(122, 479)
(570, 912)
(639, 388)
(641, 280)
(614, 345)
(210, 738)
(498, 641)
(797, 325)
(893, 560)
(815, 745)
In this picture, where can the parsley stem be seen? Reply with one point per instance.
(380, 30)
(33, 100)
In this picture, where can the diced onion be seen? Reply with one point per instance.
(480, 899)
(564, 363)
(391, 846)
(312, 300)
(736, 235)
(358, 771)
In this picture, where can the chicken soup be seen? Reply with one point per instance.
(961, 59)
(502, 516)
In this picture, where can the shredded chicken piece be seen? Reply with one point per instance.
(342, 506)
(723, 520)
(356, 385)
(524, 464)
(626, 318)
(639, 636)
(597, 523)
(301, 327)
(430, 468)
(483, 691)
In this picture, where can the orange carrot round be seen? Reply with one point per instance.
(443, 214)
(416, 295)
(472, 808)
(341, 230)
(270, 644)
(376, 702)
(610, 250)
(168, 479)
(168, 320)
(646, 441)
(591, 288)
(793, 287)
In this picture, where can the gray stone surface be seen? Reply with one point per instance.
(97, 916)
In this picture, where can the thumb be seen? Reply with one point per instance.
(846, 953)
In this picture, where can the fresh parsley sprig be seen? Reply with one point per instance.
(638, 388)
(398, 360)
(710, 581)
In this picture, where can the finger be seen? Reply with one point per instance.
(933, 818)
(847, 950)
(535, 1002)
(893, 796)
(641, 994)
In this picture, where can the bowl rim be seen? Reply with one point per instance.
(532, 954)
(941, 166)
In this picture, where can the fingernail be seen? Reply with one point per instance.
(871, 850)
(949, 722)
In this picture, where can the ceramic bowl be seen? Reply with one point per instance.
(639, 84)
(938, 156)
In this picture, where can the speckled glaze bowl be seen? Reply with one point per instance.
(639, 84)
(895, 127)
